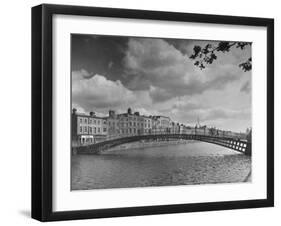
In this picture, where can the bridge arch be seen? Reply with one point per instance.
(242, 146)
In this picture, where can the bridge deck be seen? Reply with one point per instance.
(242, 146)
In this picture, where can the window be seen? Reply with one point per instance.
(90, 129)
(98, 130)
(94, 121)
(81, 129)
(104, 130)
(90, 121)
(95, 129)
(85, 129)
(85, 120)
(81, 120)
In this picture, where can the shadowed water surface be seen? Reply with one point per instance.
(191, 163)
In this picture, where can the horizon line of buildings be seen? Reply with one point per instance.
(90, 129)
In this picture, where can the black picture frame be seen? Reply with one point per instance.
(42, 107)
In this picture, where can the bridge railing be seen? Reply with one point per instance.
(232, 143)
(160, 132)
(166, 131)
(116, 136)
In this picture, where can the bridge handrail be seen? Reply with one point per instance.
(196, 133)
(116, 136)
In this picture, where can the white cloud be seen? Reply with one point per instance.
(98, 92)
(157, 66)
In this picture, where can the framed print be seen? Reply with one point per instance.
(146, 112)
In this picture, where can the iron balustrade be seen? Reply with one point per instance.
(231, 142)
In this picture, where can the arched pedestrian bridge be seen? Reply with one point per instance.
(236, 144)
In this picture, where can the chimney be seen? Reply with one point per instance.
(137, 113)
(92, 113)
(129, 111)
(74, 110)
(111, 113)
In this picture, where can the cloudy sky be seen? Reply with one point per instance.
(156, 77)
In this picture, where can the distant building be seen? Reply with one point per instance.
(154, 123)
(175, 128)
(162, 124)
(201, 130)
(112, 124)
(90, 129)
(131, 123)
(183, 129)
(147, 128)
(87, 129)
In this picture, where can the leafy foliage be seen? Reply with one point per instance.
(246, 66)
(207, 55)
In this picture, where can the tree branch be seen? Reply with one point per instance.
(206, 55)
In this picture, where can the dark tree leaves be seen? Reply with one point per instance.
(196, 51)
(241, 45)
(206, 55)
(207, 49)
(246, 66)
(224, 46)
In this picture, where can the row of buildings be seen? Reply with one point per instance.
(90, 128)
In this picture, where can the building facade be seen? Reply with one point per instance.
(175, 128)
(88, 129)
(162, 124)
(131, 124)
(147, 126)
(112, 124)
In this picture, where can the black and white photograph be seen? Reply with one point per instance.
(159, 112)
(145, 112)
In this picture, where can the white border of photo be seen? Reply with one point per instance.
(64, 199)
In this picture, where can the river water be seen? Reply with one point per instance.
(182, 164)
